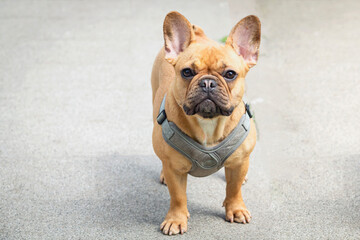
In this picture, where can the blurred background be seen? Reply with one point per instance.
(76, 158)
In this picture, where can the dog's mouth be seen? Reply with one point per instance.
(207, 108)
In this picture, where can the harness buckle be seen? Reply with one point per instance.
(161, 117)
(247, 107)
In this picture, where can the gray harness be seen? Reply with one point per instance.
(205, 161)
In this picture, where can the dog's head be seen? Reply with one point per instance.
(209, 76)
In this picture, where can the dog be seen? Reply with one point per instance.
(198, 86)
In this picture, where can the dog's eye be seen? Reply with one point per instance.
(187, 73)
(230, 75)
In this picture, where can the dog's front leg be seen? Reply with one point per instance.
(176, 219)
(235, 208)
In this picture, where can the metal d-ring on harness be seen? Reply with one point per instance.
(205, 161)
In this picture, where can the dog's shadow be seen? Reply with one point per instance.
(129, 192)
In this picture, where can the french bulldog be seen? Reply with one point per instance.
(204, 83)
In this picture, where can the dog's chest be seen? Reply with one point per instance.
(209, 127)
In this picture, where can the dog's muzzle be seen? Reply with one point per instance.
(207, 102)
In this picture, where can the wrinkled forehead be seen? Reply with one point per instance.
(212, 57)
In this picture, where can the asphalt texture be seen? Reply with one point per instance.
(76, 160)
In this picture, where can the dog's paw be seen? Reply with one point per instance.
(174, 223)
(162, 178)
(237, 213)
(239, 216)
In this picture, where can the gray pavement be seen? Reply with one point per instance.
(76, 160)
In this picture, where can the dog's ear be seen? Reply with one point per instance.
(178, 34)
(245, 39)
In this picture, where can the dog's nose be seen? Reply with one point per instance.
(208, 85)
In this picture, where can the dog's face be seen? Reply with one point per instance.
(209, 80)
(210, 76)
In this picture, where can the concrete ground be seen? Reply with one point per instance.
(76, 160)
